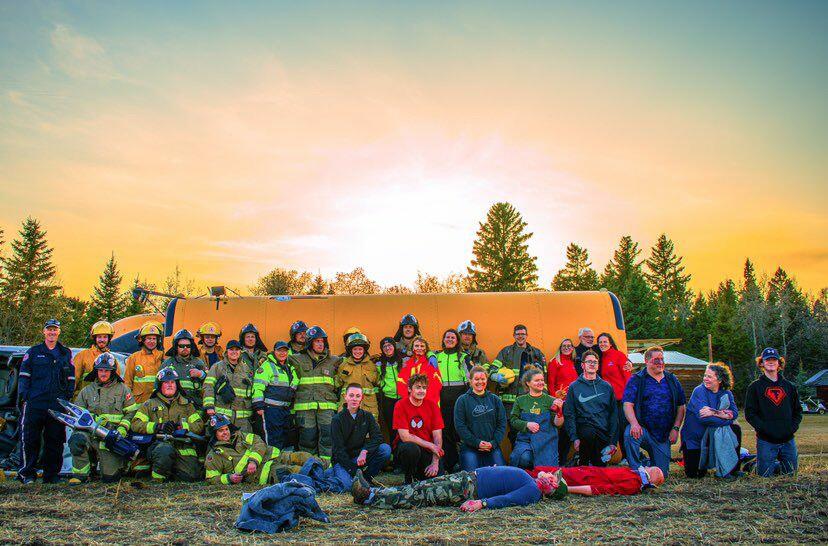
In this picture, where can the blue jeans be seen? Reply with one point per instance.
(375, 461)
(772, 459)
(659, 452)
(471, 459)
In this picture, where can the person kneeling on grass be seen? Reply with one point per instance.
(593, 480)
(488, 487)
(242, 457)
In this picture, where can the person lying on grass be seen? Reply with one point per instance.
(487, 487)
(594, 480)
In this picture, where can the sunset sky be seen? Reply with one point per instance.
(230, 138)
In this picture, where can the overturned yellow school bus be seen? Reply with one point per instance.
(549, 316)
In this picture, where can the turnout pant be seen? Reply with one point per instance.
(34, 424)
(174, 462)
(277, 421)
(315, 432)
(448, 490)
(413, 460)
(593, 440)
(84, 449)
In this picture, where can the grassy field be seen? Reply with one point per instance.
(751, 510)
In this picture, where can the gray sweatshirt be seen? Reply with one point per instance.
(591, 403)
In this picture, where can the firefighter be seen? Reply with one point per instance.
(408, 329)
(297, 337)
(253, 348)
(357, 367)
(348, 333)
(238, 457)
(228, 389)
(101, 336)
(144, 364)
(316, 394)
(183, 357)
(468, 344)
(113, 406)
(170, 416)
(274, 389)
(208, 335)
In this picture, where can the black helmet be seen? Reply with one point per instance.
(167, 374)
(468, 327)
(105, 361)
(296, 327)
(409, 320)
(218, 420)
(251, 329)
(180, 335)
(315, 332)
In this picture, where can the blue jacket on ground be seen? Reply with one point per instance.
(479, 418)
(277, 508)
(45, 377)
(694, 426)
(314, 475)
(502, 486)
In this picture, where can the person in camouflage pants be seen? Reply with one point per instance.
(448, 490)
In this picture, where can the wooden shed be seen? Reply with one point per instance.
(688, 369)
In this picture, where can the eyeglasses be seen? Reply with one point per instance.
(591, 361)
(520, 334)
(657, 361)
(185, 346)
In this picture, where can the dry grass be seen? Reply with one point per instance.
(752, 510)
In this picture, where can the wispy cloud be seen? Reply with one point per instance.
(80, 56)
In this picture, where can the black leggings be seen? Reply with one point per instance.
(692, 456)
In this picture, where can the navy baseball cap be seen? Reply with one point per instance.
(52, 323)
(770, 353)
(234, 344)
(280, 345)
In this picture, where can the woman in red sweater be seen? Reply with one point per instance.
(561, 369)
(424, 362)
(616, 370)
(561, 373)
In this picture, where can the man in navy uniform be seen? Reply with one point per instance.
(46, 374)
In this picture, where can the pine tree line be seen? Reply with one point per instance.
(742, 317)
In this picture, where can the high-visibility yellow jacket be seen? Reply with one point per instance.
(316, 388)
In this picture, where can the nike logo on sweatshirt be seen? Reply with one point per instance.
(584, 399)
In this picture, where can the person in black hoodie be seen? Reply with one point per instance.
(591, 414)
(356, 438)
(480, 421)
(772, 408)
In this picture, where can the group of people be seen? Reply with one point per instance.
(439, 417)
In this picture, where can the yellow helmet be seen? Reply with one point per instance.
(348, 333)
(209, 329)
(102, 328)
(150, 328)
(508, 374)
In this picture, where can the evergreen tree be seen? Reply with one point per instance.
(318, 286)
(108, 301)
(29, 287)
(669, 284)
(136, 306)
(752, 308)
(730, 342)
(623, 277)
(74, 322)
(788, 317)
(578, 273)
(501, 260)
(699, 325)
